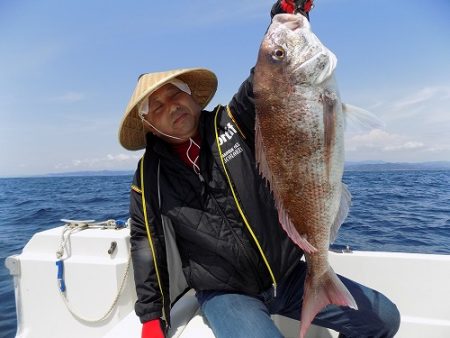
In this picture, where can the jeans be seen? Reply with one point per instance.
(239, 315)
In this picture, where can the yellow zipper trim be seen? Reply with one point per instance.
(230, 114)
(135, 188)
(239, 207)
(144, 208)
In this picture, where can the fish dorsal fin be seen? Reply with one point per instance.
(344, 207)
(359, 119)
(260, 155)
(283, 216)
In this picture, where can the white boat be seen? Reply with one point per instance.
(99, 295)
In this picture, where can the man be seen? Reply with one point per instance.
(203, 218)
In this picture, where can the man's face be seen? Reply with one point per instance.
(173, 112)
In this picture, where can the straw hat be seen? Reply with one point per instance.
(203, 85)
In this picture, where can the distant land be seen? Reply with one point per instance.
(349, 166)
(389, 166)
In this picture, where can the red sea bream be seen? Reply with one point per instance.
(300, 150)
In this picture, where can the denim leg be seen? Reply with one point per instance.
(376, 316)
(237, 315)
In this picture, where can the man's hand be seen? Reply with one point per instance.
(297, 6)
(152, 329)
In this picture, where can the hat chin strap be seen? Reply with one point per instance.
(162, 133)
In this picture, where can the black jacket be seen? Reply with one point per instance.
(216, 231)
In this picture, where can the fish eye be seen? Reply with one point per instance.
(278, 53)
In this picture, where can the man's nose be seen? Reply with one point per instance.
(174, 108)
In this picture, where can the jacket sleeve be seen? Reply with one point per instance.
(149, 299)
(242, 105)
(242, 108)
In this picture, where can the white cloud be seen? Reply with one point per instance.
(110, 161)
(381, 141)
(122, 157)
(374, 139)
(425, 105)
(410, 145)
(422, 96)
(437, 148)
(383, 145)
(417, 127)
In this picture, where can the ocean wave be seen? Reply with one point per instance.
(391, 211)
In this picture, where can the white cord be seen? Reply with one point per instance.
(194, 162)
(110, 309)
(70, 228)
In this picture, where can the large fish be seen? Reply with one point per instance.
(300, 151)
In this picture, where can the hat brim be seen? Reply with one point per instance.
(202, 83)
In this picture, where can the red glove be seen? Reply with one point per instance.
(152, 329)
(291, 6)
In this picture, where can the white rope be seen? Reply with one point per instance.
(74, 227)
(110, 309)
(68, 229)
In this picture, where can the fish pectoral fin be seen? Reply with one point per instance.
(344, 207)
(359, 119)
(328, 289)
(292, 232)
(283, 216)
(302, 242)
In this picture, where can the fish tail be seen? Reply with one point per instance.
(327, 290)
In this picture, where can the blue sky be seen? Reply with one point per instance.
(68, 69)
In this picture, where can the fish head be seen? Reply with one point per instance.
(291, 52)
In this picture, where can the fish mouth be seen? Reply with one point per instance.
(292, 21)
(324, 61)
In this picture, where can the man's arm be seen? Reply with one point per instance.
(148, 306)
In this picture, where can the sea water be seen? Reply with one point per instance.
(407, 211)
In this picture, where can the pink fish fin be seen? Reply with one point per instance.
(260, 155)
(283, 216)
(291, 231)
(330, 111)
(358, 119)
(344, 207)
(327, 290)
